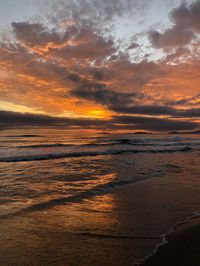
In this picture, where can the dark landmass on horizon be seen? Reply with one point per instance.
(189, 132)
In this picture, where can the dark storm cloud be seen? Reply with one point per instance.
(74, 77)
(178, 54)
(80, 42)
(10, 120)
(191, 101)
(94, 47)
(156, 110)
(186, 24)
(124, 103)
(157, 124)
(98, 74)
(187, 16)
(144, 110)
(171, 38)
(193, 113)
(121, 102)
(33, 34)
(98, 93)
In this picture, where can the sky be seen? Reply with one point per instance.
(116, 65)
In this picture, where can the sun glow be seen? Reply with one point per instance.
(98, 113)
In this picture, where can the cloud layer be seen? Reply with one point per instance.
(73, 70)
(185, 28)
(13, 120)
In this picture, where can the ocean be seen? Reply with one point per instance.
(94, 199)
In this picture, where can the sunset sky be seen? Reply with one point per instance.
(100, 64)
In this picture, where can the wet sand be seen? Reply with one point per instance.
(182, 249)
(108, 229)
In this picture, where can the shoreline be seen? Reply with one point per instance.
(179, 247)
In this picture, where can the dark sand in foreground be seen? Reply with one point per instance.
(182, 249)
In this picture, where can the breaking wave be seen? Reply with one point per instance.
(51, 156)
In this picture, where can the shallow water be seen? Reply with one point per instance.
(93, 199)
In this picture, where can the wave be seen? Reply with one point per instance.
(143, 140)
(96, 191)
(175, 141)
(121, 142)
(151, 142)
(89, 153)
(99, 235)
(154, 140)
(22, 136)
(54, 145)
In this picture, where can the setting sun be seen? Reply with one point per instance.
(98, 113)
